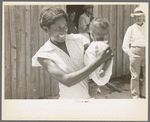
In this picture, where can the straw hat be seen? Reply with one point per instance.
(137, 12)
(87, 6)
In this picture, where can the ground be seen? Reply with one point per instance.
(123, 89)
(123, 84)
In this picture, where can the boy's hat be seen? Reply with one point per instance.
(87, 6)
(137, 12)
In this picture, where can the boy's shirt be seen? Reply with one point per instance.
(135, 36)
(90, 56)
(84, 20)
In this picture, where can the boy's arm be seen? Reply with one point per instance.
(84, 27)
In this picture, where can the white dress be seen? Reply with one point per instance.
(90, 56)
(74, 44)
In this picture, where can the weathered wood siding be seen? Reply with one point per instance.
(23, 37)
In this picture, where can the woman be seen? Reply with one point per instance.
(72, 28)
(62, 55)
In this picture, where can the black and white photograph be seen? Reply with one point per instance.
(75, 60)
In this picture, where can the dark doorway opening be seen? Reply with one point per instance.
(78, 9)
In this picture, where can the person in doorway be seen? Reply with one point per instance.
(72, 28)
(84, 20)
(99, 28)
(62, 55)
(134, 45)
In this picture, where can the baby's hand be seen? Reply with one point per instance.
(101, 73)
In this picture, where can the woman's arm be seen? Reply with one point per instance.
(106, 65)
(75, 77)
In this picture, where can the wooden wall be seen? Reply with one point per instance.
(23, 37)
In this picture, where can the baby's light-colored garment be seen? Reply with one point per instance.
(90, 56)
(69, 64)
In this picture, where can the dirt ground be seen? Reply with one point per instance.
(123, 86)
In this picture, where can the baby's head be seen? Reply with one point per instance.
(99, 28)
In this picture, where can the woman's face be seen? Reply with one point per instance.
(58, 30)
(139, 19)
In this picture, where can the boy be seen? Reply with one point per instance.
(84, 20)
(134, 46)
(99, 28)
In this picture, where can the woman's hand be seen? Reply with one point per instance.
(105, 54)
(101, 73)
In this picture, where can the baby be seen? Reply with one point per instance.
(99, 28)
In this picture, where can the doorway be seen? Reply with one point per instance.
(78, 9)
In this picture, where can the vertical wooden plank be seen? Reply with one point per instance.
(132, 10)
(99, 10)
(109, 20)
(41, 42)
(41, 31)
(13, 51)
(54, 88)
(95, 11)
(28, 52)
(105, 11)
(41, 80)
(126, 25)
(106, 15)
(34, 48)
(113, 37)
(47, 89)
(7, 62)
(20, 23)
(120, 40)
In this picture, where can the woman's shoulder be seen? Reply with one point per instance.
(45, 51)
(47, 46)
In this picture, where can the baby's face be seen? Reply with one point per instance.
(99, 33)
